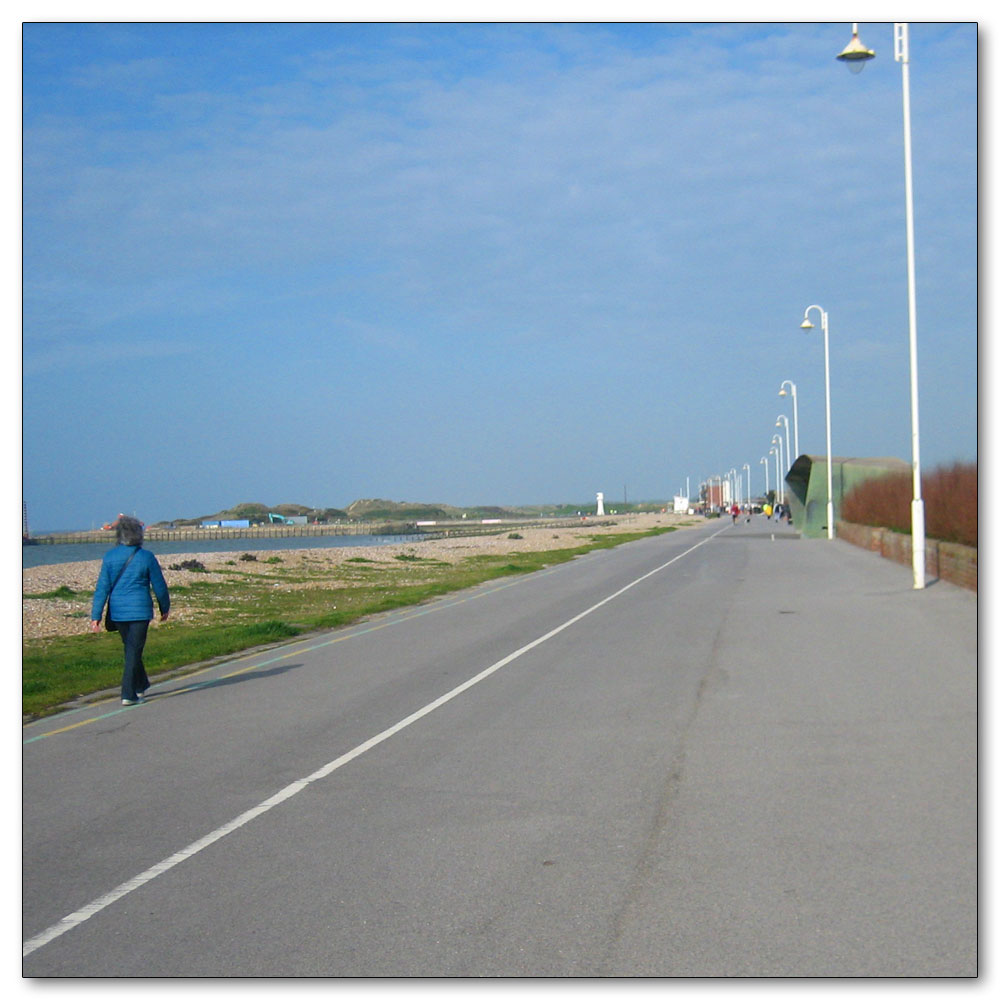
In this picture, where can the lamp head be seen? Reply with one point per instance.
(806, 325)
(856, 54)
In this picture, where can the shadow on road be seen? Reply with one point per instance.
(249, 675)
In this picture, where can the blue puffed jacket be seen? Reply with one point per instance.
(130, 600)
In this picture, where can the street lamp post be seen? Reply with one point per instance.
(806, 325)
(778, 494)
(855, 56)
(788, 447)
(746, 465)
(767, 478)
(795, 410)
(781, 457)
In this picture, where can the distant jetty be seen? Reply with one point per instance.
(191, 533)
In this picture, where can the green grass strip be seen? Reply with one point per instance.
(244, 611)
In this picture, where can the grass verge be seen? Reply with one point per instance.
(246, 610)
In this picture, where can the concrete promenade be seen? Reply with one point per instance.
(824, 821)
(723, 752)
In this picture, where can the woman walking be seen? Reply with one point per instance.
(127, 573)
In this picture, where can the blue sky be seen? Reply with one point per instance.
(479, 263)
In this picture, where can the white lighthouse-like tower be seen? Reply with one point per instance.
(600, 505)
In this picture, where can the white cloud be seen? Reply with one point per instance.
(558, 186)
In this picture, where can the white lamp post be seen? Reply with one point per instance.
(806, 325)
(855, 56)
(767, 478)
(746, 465)
(788, 447)
(778, 495)
(777, 440)
(795, 410)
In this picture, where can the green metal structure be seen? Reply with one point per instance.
(806, 486)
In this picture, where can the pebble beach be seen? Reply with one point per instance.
(58, 616)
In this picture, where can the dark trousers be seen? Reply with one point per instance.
(134, 679)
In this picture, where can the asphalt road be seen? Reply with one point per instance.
(725, 751)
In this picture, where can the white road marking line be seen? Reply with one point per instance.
(102, 902)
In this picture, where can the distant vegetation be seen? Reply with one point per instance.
(256, 513)
(392, 510)
(951, 503)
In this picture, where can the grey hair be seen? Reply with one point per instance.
(128, 531)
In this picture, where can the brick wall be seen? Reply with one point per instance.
(958, 564)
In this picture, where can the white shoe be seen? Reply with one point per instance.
(128, 701)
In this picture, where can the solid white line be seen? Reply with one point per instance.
(88, 911)
(298, 648)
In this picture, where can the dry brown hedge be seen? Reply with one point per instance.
(951, 503)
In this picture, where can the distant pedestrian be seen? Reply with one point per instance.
(768, 509)
(735, 511)
(127, 573)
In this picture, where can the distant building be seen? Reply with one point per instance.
(717, 495)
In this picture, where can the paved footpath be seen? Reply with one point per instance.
(837, 735)
(726, 751)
